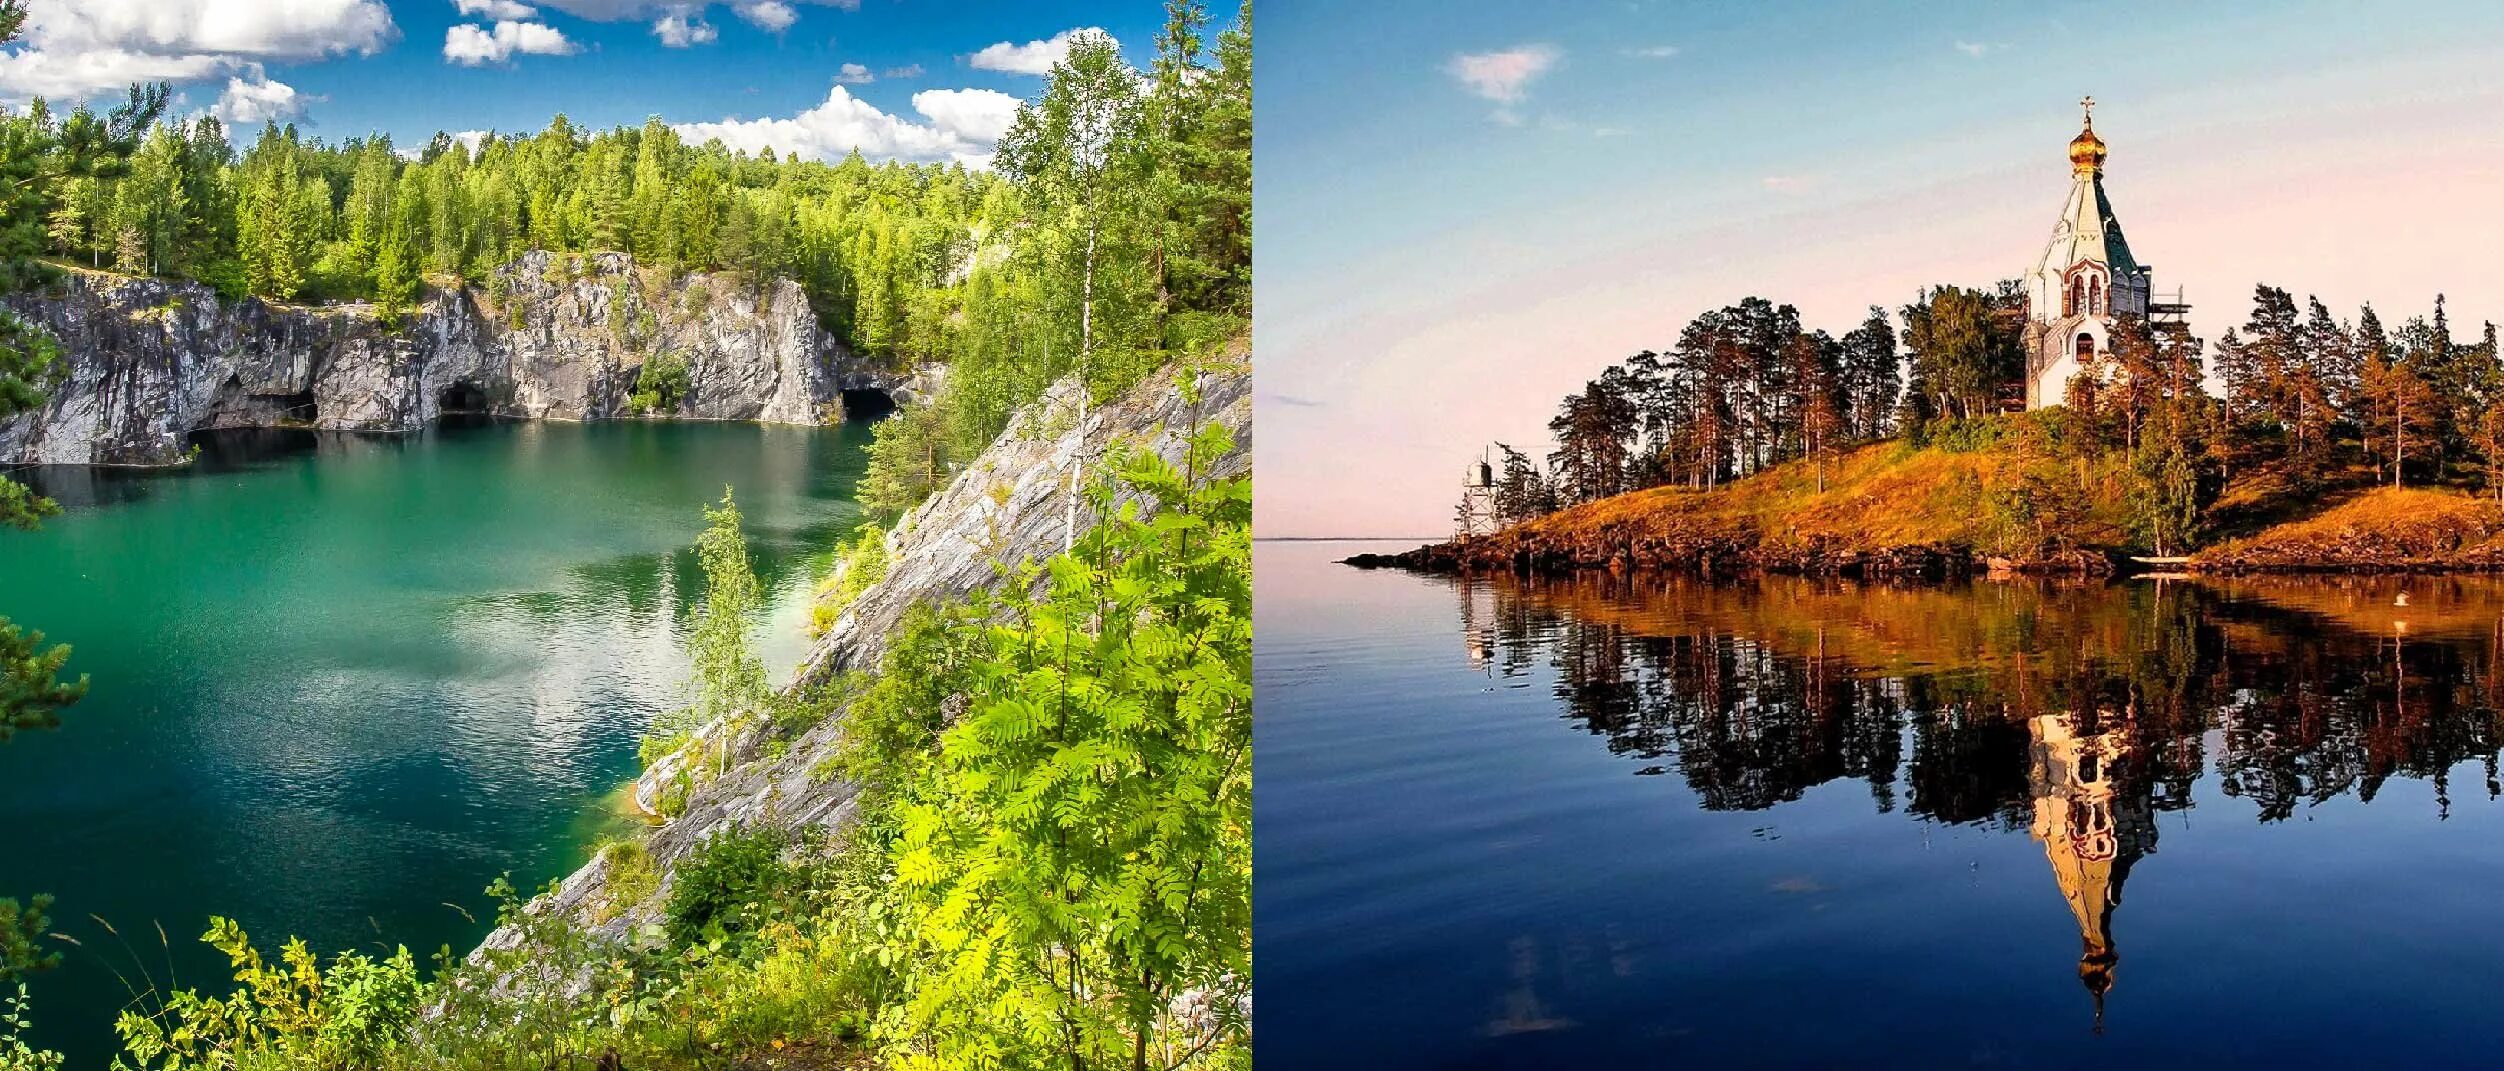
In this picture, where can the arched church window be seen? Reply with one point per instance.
(2086, 347)
(2095, 296)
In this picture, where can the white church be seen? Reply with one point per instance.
(2085, 277)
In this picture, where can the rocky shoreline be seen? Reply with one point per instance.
(1502, 553)
(1513, 551)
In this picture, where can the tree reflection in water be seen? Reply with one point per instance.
(2075, 711)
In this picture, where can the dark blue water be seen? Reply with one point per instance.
(1647, 822)
(341, 682)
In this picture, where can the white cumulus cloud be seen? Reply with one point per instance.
(82, 48)
(772, 16)
(679, 29)
(1503, 76)
(619, 10)
(257, 99)
(976, 114)
(853, 74)
(1033, 57)
(956, 124)
(680, 23)
(506, 10)
(471, 45)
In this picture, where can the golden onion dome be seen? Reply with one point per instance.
(2086, 151)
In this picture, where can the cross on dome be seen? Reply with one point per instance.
(2086, 151)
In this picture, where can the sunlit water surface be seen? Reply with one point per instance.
(1648, 821)
(341, 682)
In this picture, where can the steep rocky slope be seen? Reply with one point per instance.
(551, 336)
(1008, 506)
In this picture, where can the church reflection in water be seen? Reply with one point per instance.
(2093, 826)
(2077, 712)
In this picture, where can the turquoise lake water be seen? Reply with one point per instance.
(342, 682)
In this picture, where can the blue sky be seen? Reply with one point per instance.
(1464, 211)
(342, 68)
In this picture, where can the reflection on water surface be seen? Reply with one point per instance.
(2086, 717)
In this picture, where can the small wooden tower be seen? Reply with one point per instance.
(1476, 516)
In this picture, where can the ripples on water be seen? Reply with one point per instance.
(1652, 820)
(343, 682)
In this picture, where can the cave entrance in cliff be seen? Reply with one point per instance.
(869, 404)
(297, 408)
(462, 397)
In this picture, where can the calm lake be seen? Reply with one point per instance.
(1652, 821)
(342, 682)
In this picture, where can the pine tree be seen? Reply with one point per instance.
(396, 270)
(1871, 375)
(2400, 411)
(1962, 353)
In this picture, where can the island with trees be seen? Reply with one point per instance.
(2301, 440)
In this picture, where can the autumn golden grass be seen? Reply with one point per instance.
(1875, 497)
(2383, 528)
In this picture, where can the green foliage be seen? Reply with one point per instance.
(31, 691)
(15, 1053)
(21, 930)
(565, 997)
(661, 385)
(910, 458)
(862, 563)
(1074, 853)
(725, 890)
(23, 508)
(1962, 353)
(52, 179)
(295, 1012)
(729, 680)
(632, 876)
(893, 723)
(30, 366)
(2046, 428)
(1130, 202)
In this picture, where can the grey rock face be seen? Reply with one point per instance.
(1011, 506)
(552, 337)
(1007, 507)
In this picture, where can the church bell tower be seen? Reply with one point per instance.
(2085, 278)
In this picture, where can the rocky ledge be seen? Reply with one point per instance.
(552, 336)
(1007, 507)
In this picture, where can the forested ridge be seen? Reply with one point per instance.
(1114, 234)
(2185, 442)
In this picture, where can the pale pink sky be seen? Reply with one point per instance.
(2380, 178)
